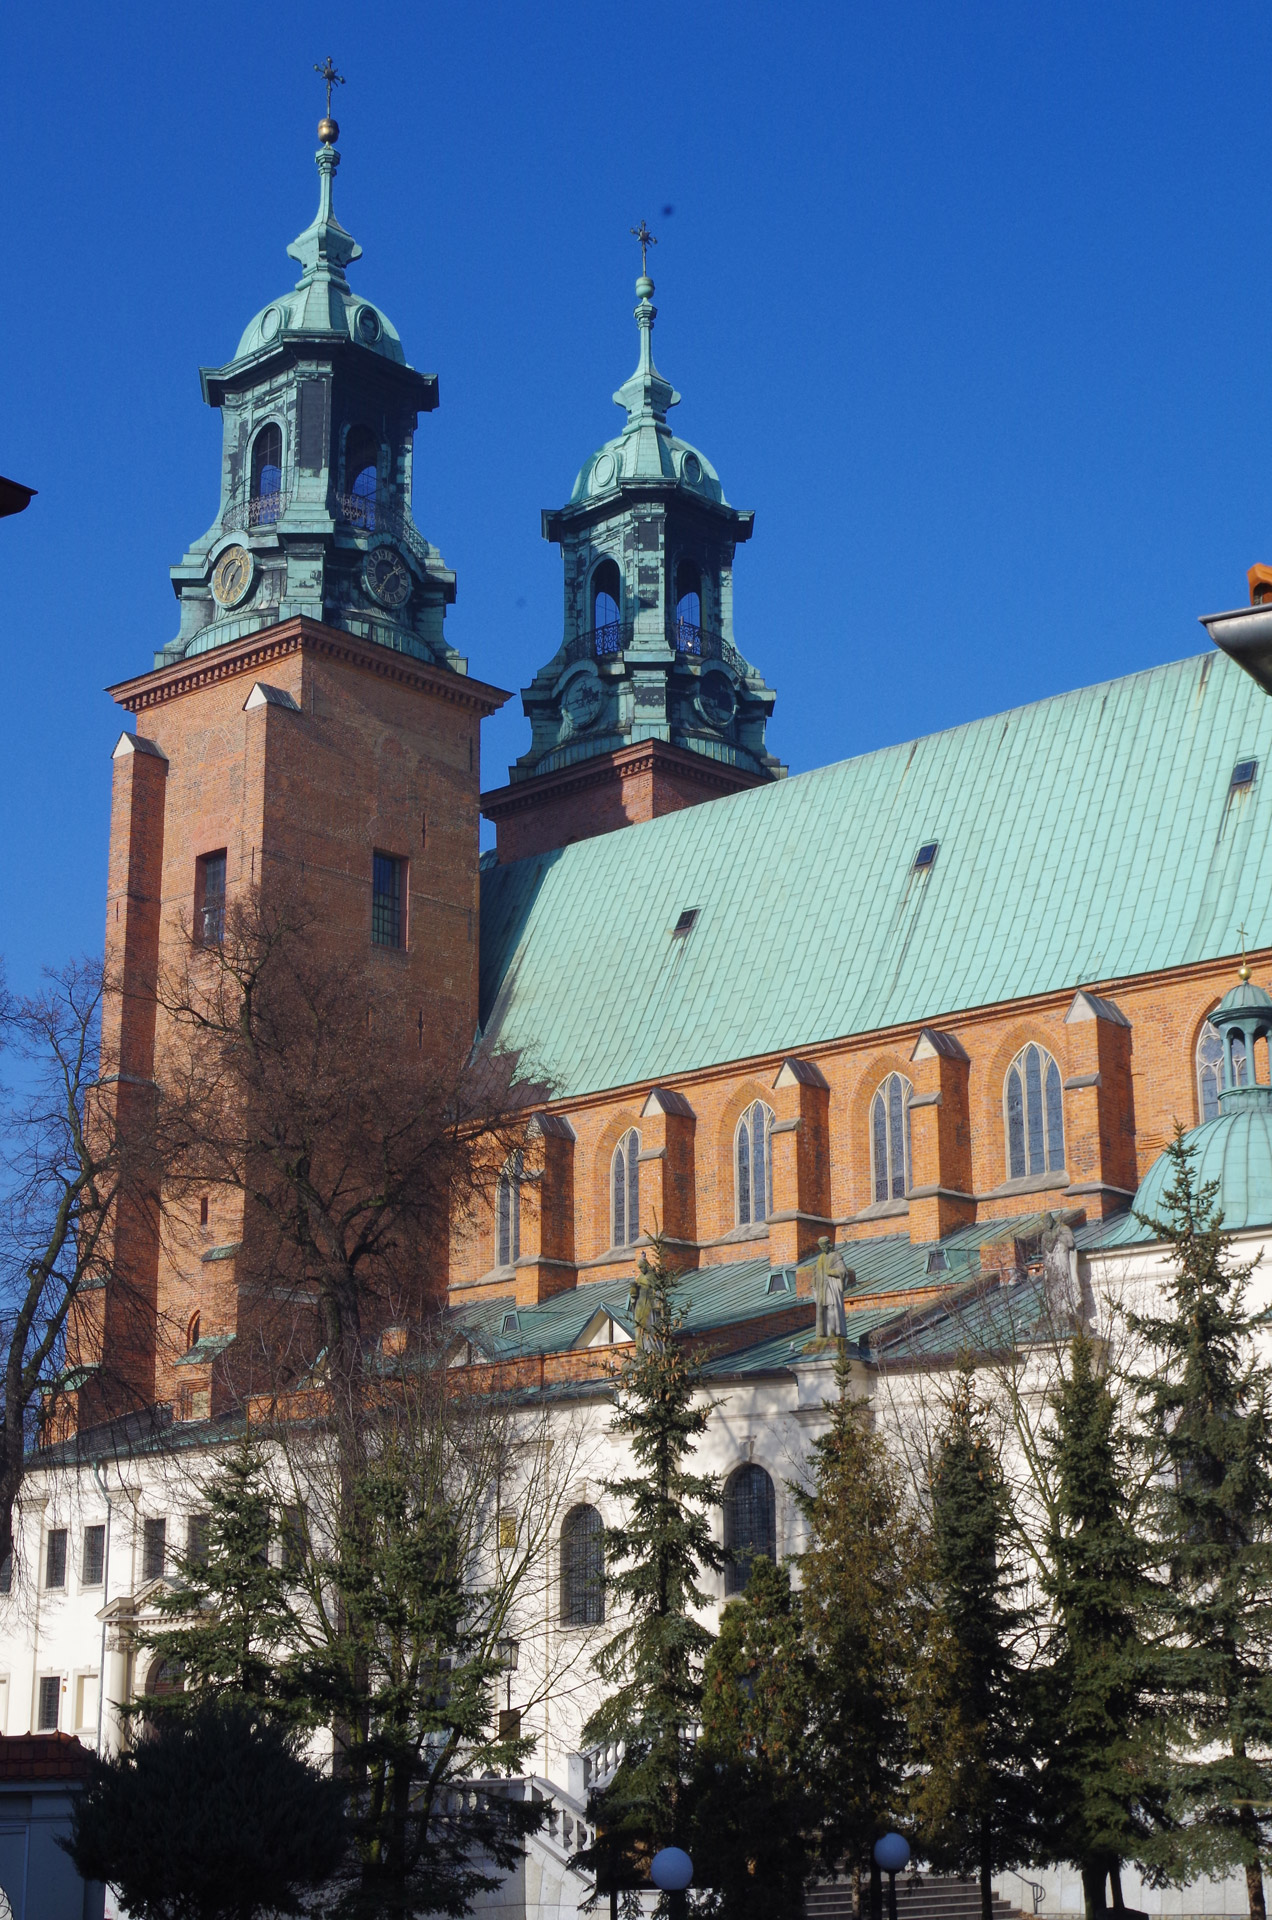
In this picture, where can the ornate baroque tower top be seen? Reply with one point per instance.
(648, 653)
(319, 409)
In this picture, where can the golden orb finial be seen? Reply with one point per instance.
(328, 131)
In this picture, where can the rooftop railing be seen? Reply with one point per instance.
(600, 643)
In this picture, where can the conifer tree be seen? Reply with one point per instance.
(1103, 1787)
(973, 1797)
(755, 1815)
(1206, 1409)
(858, 1591)
(654, 1560)
(235, 1633)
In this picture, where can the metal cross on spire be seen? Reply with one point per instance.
(647, 239)
(1244, 968)
(327, 72)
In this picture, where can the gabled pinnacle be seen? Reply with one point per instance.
(646, 396)
(324, 249)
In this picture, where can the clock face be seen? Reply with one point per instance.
(716, 699)
(232, 576)
(582, 700)
(387, 577)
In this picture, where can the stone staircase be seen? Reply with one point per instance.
(919, 1897)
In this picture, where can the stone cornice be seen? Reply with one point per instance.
(643, 756)
(249, 655)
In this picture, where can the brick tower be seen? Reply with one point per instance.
(647, 705)
(308, 722)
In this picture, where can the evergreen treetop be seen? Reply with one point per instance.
(1206, 1411)
(974, 1797)
(1103, 1787)
(654, 1560)
(858, 1578)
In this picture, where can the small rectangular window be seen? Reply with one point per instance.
(203, 1211)
(295, 1539)
(780, 1282)
(86, 1700)
(154, 1545)
(507, 1529)
(49, 1710)
(55, 1558)
(1243, 773)
(6, 1574)
(94, 1561)
(686, 923)
(938, 1261)
(197, 1539)
(209, 899)
(925, 855)
(386, 900)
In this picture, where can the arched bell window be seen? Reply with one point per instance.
(582, 1568)
(267, 476)
(1033, 1103)
(607, 604)
(753, 1164)
(508, 1213)
(625, 1190)
(688, 607)
(1210, 1068)
(192, 1332)
(362, 465)
(890, 1139)
(750, 1523)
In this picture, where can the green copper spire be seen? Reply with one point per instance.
(647, 650)
(319, 409)
(324, 249)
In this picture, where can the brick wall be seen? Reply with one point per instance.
(1126, 1082)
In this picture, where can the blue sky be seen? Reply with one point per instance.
(970, 304)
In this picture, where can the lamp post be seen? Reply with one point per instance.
(671, 1870)
(506, 1651)
(892, 1853)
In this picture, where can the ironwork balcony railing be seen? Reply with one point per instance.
(263, 511)
(702, 644)
(370, 515)
(600, 643)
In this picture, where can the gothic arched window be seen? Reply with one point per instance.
(192, 1332)
(1210, 1067)
(1034, 1105)
(890, 1139)
(508, 1214)
(582, 1568)
(267, 476)
(362, 472)
(688, 604)
(750, 1523)
(753, 1164)
(625, 1187)
(607, 603)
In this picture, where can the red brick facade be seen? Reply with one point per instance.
(349, 749)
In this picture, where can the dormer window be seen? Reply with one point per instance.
(688, 608)
(362, 464)
(267, 477)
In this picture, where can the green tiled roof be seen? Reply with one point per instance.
(1080, 839)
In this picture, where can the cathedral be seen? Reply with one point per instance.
(924, 1006)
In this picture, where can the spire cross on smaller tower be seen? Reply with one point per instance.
(1244, 969)
(327, 72)
(646, 239)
